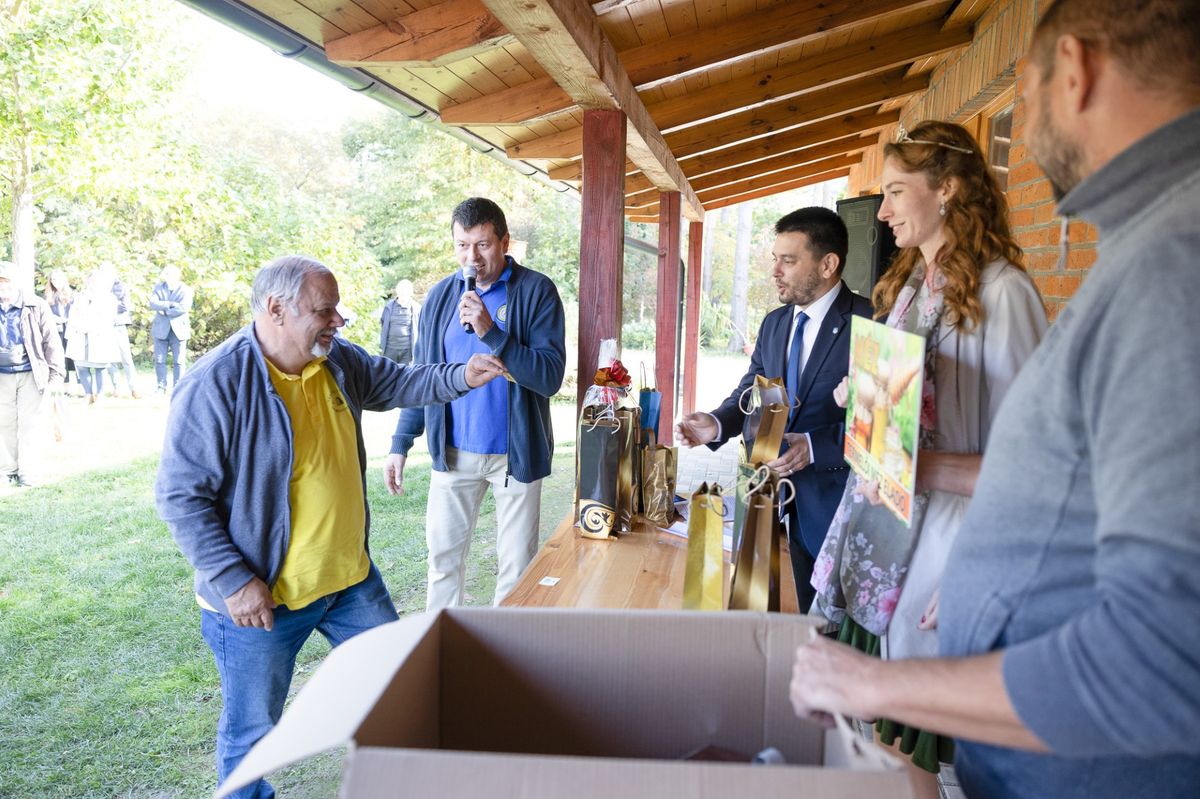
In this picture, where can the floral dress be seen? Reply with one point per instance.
(877, 577)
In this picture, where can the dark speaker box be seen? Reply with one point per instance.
(871, 243)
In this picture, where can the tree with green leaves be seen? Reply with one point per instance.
(68, 70)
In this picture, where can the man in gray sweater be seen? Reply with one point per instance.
(1069, 609)
(262, 483)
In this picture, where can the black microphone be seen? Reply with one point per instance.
(469, 272)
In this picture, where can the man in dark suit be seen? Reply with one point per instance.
(807, 344)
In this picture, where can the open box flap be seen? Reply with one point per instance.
(331, 706)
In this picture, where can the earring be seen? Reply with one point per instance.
(942, 209)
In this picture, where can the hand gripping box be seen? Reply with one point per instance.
(475, 702)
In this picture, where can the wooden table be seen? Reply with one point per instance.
(642, 569)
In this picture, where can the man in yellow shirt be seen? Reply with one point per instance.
(262, 482)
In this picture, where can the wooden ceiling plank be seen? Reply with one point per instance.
(829, 131)
(446, 82)
(448, 32)
(473, 71)
(347, 16)
(566, 39)
(808, 108)
(827, 69)
(746, 36)
(748, 177)
(383, 10)
(761, 121)
(750, 34)
(502, 64)
(680, 16)
(721, 202)
(309, 24)
(512, 106)
(736, 165)
(604, 6)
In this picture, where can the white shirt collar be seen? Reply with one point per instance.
(817, 309)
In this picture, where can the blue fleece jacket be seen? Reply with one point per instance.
(222, 485)
(533, 348)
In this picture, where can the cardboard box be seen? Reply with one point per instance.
(516, 702)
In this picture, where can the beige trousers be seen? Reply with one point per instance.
(22, 416)
(453, 511)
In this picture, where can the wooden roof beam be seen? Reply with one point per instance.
(446, 32)
(813, 107)
(566, 39)
(739, 193)
(843, 129)
(649, 64)
(792, 167)
(821, 71)
(721, 202)
(807, 108)
(795, 147)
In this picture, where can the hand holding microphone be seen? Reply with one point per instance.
(471, 311)
(470, 271)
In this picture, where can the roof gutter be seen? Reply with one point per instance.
(288, 44)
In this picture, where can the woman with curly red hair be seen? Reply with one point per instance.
(959, 282)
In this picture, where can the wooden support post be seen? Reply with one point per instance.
(691, 332)
(602, 239)
(667, 317)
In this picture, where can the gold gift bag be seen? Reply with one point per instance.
(755, 581)
(658, 484)
(629, 466)
(703, 579)
(766, 406)
(770, 434)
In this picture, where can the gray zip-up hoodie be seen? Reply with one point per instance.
(222, 485)
(1079, 555)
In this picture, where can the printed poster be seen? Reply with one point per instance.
(884, 410)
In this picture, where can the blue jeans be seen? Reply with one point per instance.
(256, 666)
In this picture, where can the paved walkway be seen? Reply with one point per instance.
(702, 465)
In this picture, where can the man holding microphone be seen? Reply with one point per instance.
(500, 435)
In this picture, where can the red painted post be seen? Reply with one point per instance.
(602, 239)
(691, 332)
(667, 316)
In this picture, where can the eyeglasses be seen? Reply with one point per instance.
(902, 137)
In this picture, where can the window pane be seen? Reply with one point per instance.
(1001, 140)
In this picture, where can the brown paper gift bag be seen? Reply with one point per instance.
(704, 577)
(658, 484)
(755, 581)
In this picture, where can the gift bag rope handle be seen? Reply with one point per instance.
(608, 414)
(759, 480)
(741, 400)
(645, 382)
(793, 403)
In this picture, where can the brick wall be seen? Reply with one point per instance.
(1038, 228)
(959, 88)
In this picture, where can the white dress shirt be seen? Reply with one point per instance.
(816, 311)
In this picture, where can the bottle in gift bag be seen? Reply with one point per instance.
(598, 457)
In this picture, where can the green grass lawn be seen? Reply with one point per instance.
(106, 687)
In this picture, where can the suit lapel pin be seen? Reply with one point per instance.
(835, 331)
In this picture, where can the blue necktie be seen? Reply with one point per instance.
(793, 364)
